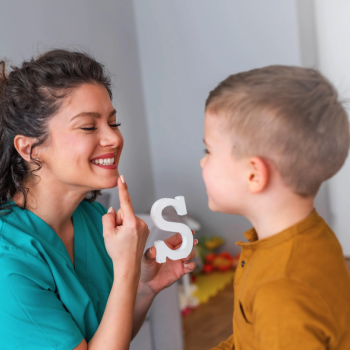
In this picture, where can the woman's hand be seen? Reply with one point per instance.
(155, 277)
(125, 235)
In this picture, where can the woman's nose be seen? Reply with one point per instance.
(202, 162)
(111, 137)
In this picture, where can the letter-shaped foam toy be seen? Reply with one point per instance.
(163, 251)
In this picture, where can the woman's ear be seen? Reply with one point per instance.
(258, 175)
(23, 145)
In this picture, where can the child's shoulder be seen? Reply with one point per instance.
(313, 275)
(316, 254)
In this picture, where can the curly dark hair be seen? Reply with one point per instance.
(30, 95)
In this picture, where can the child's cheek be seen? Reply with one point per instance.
(214, 199)
(212, 188)
(206, 177)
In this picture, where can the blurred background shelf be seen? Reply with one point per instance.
(211, 322)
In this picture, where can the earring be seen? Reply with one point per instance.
(37, 159)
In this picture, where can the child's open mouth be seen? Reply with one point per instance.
(106, 161)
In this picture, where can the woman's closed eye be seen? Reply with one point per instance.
(114, 125)
(206, 151)
(89, 129)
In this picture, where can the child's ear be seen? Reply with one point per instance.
(258, 175)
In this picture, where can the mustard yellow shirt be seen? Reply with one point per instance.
(291, 291)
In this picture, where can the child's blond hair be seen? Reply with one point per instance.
(290, 116)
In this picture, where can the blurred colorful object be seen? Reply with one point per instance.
(209, 285)
(220, 262)
(213, 272)
(214, 242)
(207, 244)
(187, 301)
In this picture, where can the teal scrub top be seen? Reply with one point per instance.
(46, 303)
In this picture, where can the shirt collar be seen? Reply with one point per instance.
(283, 236)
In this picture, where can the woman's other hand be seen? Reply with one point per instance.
(155, 277)
(125, 235)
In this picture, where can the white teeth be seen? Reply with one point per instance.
(105, 161)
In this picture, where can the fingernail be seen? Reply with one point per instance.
(110, 210)
(187, 265)
(122, 178)
(196, 241)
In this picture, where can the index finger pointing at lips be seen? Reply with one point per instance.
(125, 200)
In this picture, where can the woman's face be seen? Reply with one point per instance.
(84, 143)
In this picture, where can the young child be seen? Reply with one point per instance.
(273, 135)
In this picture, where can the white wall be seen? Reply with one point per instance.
(333, 33)
(107, 30)
(186, 48)
(309, 58)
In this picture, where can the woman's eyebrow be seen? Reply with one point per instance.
(93, 114)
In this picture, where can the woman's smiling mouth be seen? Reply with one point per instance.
(106, 161)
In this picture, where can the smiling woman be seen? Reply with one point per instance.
(72, 275)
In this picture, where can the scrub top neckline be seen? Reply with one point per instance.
(55, 240)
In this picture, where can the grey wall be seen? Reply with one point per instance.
(107, 30)
(186, 48)
(333, 30)
(309, 55)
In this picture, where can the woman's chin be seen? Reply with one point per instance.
(103, 182)
(110, 182)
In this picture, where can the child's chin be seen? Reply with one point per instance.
(213, 206)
